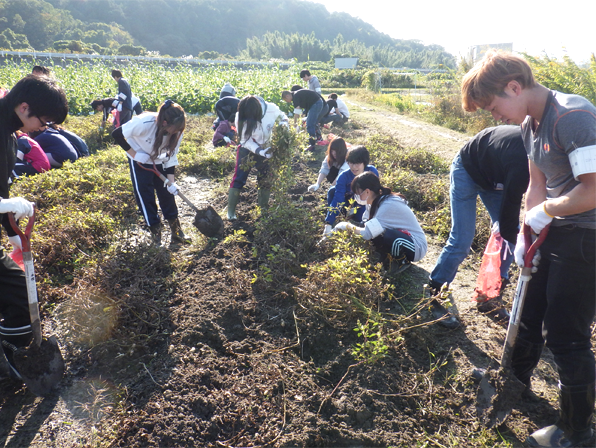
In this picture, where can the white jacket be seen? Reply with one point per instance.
(140, 133)
(261, 137)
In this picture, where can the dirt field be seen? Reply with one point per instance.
(231, 366)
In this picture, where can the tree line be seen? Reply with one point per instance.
(233, 29)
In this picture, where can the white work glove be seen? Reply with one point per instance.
(227, 139)
(537, 218)
(495, 230)
(16, 242)
(341, 226)
(263, 152)
(172, 188)
(21, 207)
(115, 103)
(142, 157)
(314, 187)
(327, 230)
(520, 252)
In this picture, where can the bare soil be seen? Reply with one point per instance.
(229, 365)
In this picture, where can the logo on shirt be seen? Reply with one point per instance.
(546, 147)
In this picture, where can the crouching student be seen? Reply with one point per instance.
(388, 222)
(56, 146)
(333, 164)
(255, 121)
(31, 159)
(340, 197)
(153, 140)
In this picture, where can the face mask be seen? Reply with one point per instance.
(359, 200)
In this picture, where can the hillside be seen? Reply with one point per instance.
(189, 27)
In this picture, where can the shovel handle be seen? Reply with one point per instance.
(29, 274)
(532, 247)
(26, 235)
(168, 182)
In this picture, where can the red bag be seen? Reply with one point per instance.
(488, 285)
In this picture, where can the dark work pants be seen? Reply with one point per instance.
(395, 242)
(561, 302)
(245, 161)
(146, 185)
(125, 116)
(14, 306)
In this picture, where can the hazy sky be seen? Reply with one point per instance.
(532, 26)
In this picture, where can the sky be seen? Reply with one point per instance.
(534, 27)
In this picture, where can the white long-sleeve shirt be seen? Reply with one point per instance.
(261, 136)
(394, 213)
(140, 134)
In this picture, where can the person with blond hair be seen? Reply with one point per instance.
(559, 133)
(150, 140)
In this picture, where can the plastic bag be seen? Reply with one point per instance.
(488, 284)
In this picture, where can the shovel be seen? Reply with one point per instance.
(500, 389)
(40, 364)
(207, 220)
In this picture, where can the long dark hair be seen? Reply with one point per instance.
(338, 145)
(173, 114)
(249, 116)
(369, 180)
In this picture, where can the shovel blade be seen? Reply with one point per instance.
(498, 392)
(209, 222)
(41, 367)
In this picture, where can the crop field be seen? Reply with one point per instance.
(194, 88)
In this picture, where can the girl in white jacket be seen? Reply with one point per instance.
(153, 140)
(254, 121)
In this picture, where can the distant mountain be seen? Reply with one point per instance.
(189, 27)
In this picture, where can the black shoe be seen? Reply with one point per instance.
(494, 309)
(556, 436)
(447, 319)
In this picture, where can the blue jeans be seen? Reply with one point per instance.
(315, 113)
(245, 161)
(462, 194)
(335, 118)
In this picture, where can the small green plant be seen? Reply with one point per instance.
(373, 347)
(239, 236)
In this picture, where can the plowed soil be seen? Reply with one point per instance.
(228, 365)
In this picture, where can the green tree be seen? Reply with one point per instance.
(14, 41)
